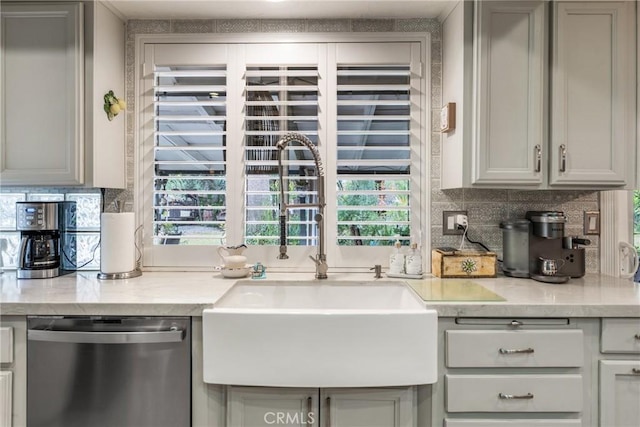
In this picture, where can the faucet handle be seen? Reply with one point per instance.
(378, 271)
(315, 260)
(321, 267)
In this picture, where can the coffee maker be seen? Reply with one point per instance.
(536, 247)
(47, 244)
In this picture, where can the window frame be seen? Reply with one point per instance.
(204, 257)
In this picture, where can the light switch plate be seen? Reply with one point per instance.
(591, 222)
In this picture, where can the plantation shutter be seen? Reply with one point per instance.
(210, 115)
(279, 99)
(189, 156)
(373, 153)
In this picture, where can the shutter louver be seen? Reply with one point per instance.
(278, 100)
(374, 154)
(190, 109)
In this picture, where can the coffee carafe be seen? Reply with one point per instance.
(536, 247)
(47, 246)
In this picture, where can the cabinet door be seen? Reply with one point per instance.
(509, 109)
(5, 398)
(262, 406)
(619, 393)
(41, 96)
(592, 93)
(388, 407)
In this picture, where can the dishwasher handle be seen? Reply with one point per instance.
(84, 337)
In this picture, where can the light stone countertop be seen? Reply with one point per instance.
(188, 293)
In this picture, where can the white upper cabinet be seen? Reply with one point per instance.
(58, 60)
(592, 93)
(550, 94)
(509, 109)
(42, 70)
(105, 145)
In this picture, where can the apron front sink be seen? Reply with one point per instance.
(320, 334)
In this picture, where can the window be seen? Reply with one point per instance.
(212, 115)
(374, 154)
(189, 155)
(279, 99)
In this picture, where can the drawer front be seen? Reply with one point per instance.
(514, 393)
(620, 335)
(548, 348)
(6, 344)
(512, 423)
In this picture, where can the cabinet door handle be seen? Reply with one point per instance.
(310, 409)
(538, 154)
(637, 336)
(515, 350)
(328, 423)
(635, 371)
(563, 158)
(515, 396)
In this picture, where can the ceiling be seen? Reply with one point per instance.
(278, 9)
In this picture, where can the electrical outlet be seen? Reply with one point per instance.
(450, 222)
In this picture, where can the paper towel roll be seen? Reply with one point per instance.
(117, 242)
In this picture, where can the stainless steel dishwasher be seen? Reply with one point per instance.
(108, 371)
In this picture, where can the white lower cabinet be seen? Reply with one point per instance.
(311, 407)
(392, 407)
(512, 423)
(619, 371)
(619, 393)
(5, 398)
(514, 393)
(262, 406)
(6, 357)
(13, 371)
(506, 372)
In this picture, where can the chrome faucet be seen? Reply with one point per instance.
(321, 257)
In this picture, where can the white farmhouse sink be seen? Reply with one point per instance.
(320, 334)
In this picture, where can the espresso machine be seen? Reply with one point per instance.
(47, 240)
(536, 247)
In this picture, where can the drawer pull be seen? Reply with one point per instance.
(515, 323)
(515, 396)
(635, 371)
(515, 351)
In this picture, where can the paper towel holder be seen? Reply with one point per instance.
(117, 276)
(127, 274)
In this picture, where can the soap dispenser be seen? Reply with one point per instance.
(396, 259)
(413, 261)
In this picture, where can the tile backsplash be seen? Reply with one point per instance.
(88, 223)
(486, 208)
